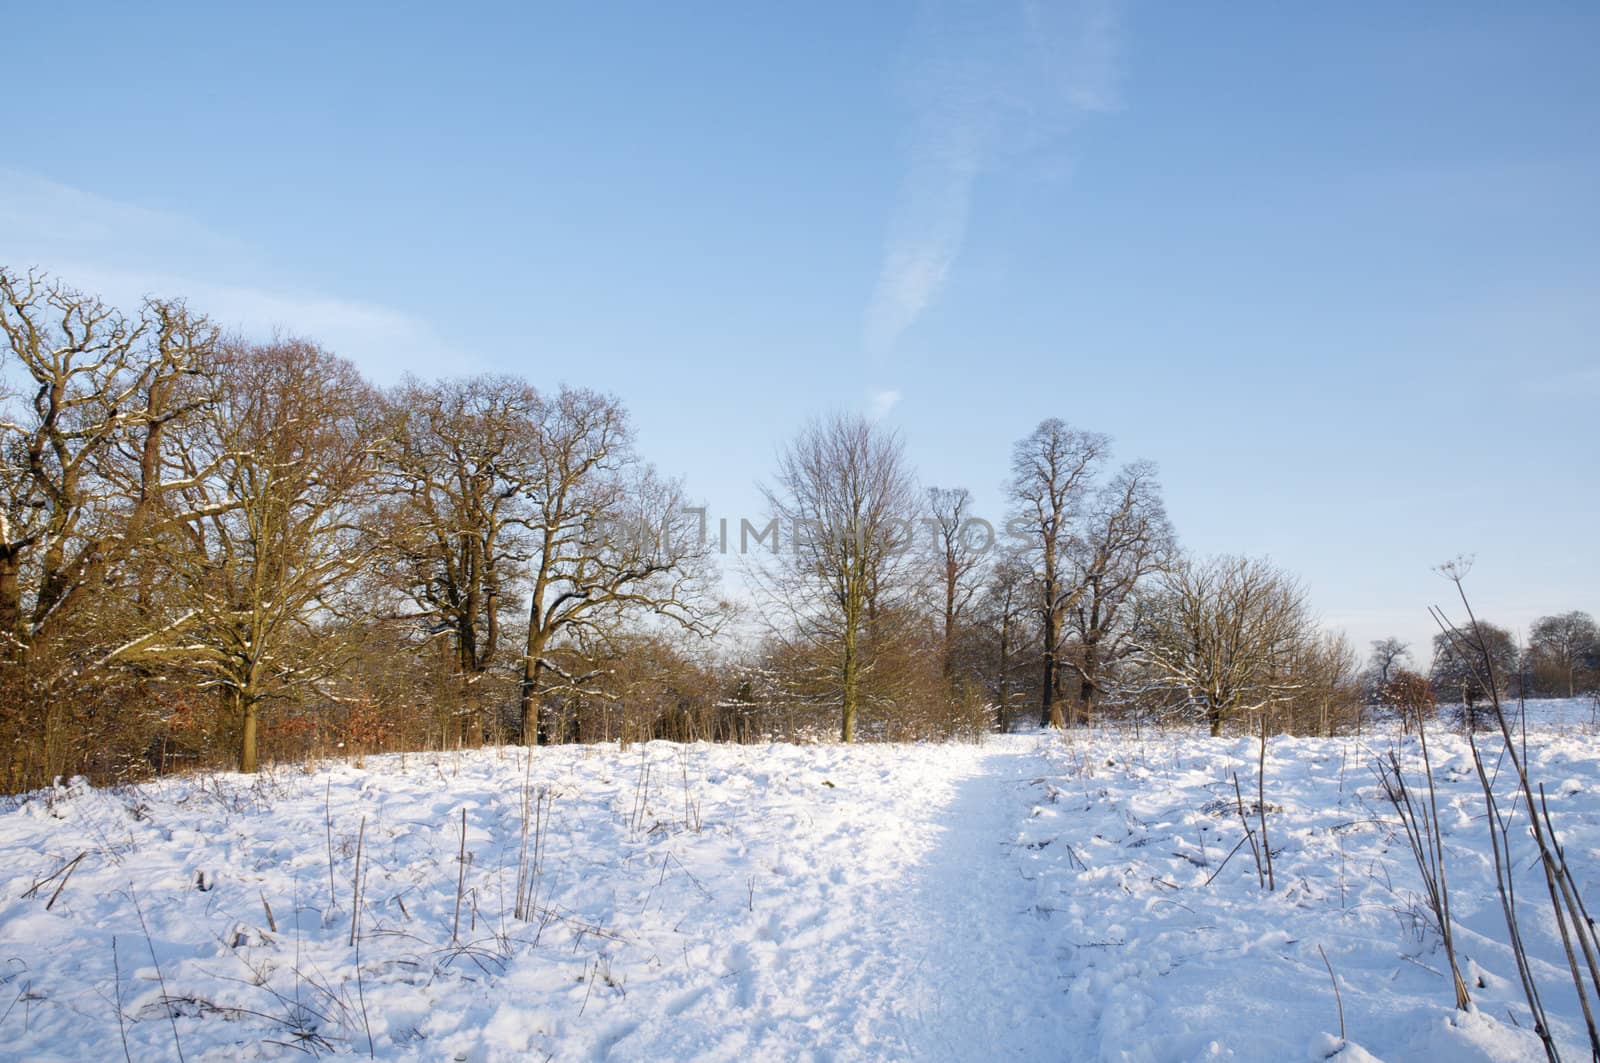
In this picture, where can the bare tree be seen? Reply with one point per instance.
(1052, 477)
(462, 456)
(1126, 538)
(1328, 690)
(843, 489)
(1565, 645)
(1009, 603)
(82, 471)
(1223, 633)
(82, 477)
(278, 475)
(1387, 653)
(957, 555)
(1456, 672)
(607, 538)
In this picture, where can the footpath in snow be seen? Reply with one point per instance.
(709, 902)
(1030, 898)
(903, 930)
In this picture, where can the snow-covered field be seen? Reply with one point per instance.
(1031, 898)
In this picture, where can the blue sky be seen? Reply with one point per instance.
(1335, 268)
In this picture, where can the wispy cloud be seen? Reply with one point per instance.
(125, 251)
(984, 85)
(38, 214)
(386, 343)
(882, 402)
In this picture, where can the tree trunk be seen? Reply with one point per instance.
(1214, 718)
(1049, 703)
(10, 597)
(1005, 677)
(1050, 699)
(469, 726)
(247, 735)
(947, 649)
(849, 681)
(532, 660)
(530, 697)
(1088, 682)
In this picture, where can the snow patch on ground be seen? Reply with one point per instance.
(1029, 898)
(1128, 831)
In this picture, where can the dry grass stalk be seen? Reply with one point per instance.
(1570, 914)
(461, 879)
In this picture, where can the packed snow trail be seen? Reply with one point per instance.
(941, 960)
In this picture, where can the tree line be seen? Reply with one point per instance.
(216, 551)
(1559, 658)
